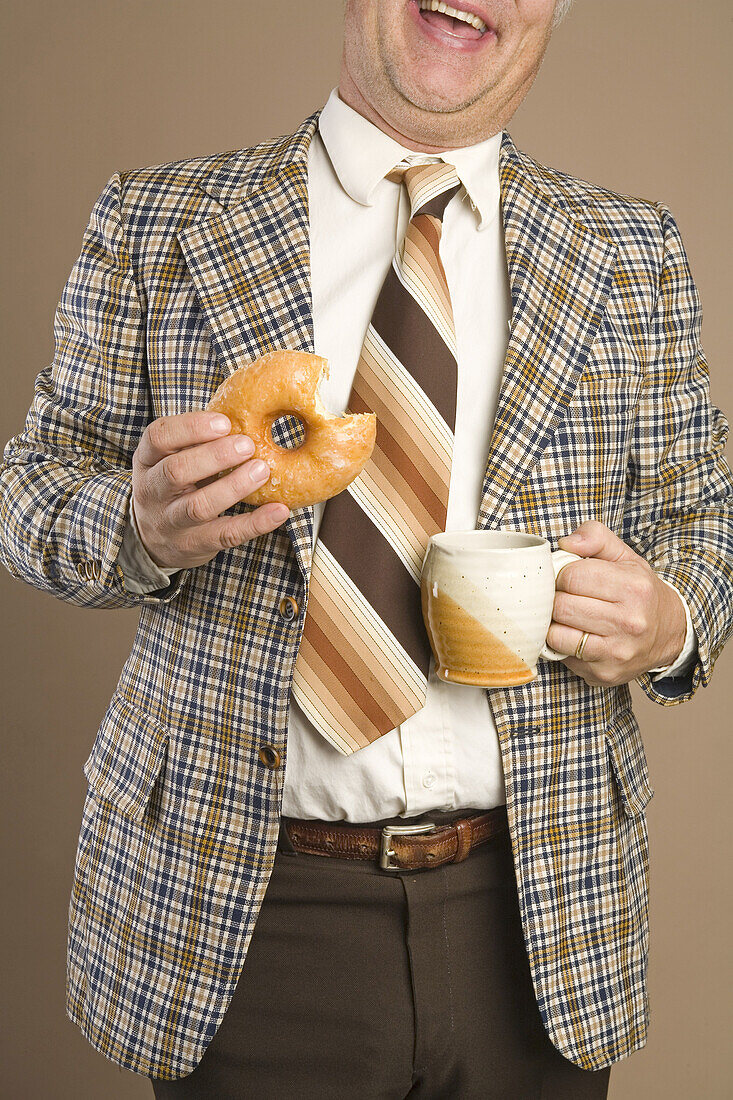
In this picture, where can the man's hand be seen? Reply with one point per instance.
(634, 620)
(178, 517)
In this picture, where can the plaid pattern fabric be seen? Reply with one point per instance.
(191, 268)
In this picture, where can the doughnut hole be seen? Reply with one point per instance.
(284, 435)
(288, 431)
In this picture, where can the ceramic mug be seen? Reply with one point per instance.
(487, 601)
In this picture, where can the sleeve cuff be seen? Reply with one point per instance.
(688, 653)
(141, 573)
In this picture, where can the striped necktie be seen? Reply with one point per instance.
(364, 658)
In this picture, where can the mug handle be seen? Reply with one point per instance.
(560, 558)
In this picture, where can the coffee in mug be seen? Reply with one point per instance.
(487, 601)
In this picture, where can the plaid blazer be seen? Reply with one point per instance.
(189, 269)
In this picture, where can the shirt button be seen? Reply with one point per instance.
(429, 779)
(269, 756)
(288, 609)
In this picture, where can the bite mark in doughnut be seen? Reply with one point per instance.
(335, 449)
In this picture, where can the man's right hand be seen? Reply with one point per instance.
(178, 518)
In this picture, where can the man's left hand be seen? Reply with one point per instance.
(635, 621)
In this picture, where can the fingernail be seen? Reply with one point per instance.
(280, 512)
(219, 424)
(258, 469)
(243, 445)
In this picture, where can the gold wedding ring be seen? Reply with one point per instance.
(581, 646)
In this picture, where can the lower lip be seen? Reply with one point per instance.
(462, 45)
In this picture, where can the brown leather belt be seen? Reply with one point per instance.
(397, 847)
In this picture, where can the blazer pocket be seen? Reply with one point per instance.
(628, 762)
(126, 757)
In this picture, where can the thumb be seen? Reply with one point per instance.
(594, 540)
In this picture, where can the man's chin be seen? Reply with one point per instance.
(432, 97)
(442, 107)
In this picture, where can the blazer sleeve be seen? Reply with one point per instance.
(678, 514)
(66, 479)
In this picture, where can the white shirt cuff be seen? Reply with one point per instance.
(141, 573)
(688, 653)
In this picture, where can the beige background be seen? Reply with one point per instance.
(632, 95)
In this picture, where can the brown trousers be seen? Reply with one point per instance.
(362, 984)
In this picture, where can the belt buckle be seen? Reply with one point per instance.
(388, 831)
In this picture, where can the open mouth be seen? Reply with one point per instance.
(452, 21)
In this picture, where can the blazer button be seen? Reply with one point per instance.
(288, 609)
(269, 756)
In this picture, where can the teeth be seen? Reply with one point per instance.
(466, 17)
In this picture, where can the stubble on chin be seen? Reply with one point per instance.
(427, 102)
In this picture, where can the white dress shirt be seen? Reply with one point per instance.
(447, 755)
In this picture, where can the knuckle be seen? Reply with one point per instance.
(195, 509)
(636, 625)
(623, 650)
(173, 472)
(229, 537)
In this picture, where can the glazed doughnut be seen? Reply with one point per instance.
(335, 448)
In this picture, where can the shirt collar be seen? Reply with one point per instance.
(362, 155)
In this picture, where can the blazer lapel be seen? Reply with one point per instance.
(560, 275)
(250, 266)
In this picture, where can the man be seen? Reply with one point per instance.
(518, 968)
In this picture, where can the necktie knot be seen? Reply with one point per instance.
(430, 187)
